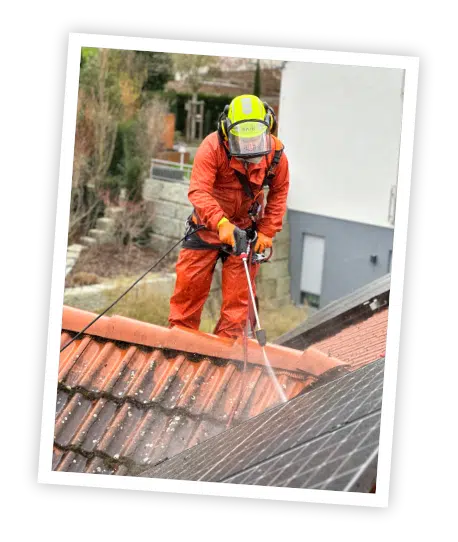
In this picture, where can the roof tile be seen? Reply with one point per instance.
(71, 419)
(124, 428)
(75, 462)
(72, 462)
(360, 343)
(207, 394)
(95, 426)
(151, 443)
(315, 362)
(90, 420)
(61, 401)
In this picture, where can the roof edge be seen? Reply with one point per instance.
(119, 328)
(339, 314)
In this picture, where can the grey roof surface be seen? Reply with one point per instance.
(324, 439)
(337, 315)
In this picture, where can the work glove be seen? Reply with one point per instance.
(262, 242)
(226, 232)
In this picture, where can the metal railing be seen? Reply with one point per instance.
(165, 170)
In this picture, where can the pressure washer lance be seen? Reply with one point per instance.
(242, 249)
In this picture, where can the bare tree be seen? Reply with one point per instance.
(81, 209)
(229, 63)
(193, 68)
(96, 127)
(132, 225)
(105, 113)
(151, 118)
(110, 93)
(133, 73)
(83, 141)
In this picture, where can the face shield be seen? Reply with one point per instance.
(249, 138)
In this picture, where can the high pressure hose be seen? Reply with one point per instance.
(130, 287)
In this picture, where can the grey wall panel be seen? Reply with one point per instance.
(348, 250)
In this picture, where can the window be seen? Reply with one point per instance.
(312, 269)
(312, 300)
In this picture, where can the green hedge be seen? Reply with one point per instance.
(126, 166)
(213, 107)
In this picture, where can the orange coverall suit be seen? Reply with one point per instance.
(216, 192)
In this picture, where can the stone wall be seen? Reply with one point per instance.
(170, 207)
(273, 282)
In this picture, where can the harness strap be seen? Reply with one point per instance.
(245, 184)
(271, 171)
(195, 241)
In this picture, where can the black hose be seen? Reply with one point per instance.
(130, 287)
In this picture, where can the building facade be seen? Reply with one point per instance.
(341, 126)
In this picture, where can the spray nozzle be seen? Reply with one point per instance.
(241, 242)
(261, 337)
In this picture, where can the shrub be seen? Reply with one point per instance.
(82, 278)
(137, 141)
(86, 207)
(133, 224)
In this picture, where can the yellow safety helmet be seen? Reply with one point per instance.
(246, 124)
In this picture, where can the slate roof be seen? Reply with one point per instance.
(326, 439)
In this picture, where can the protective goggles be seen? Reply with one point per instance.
(249, 138)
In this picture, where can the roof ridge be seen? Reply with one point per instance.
(339, 314)
(128, 330)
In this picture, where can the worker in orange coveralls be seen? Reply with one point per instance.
(231, 168)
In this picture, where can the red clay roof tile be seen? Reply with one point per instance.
(118, 328)
(359, 343)
(74, 462)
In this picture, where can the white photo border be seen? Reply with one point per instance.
(410, 65)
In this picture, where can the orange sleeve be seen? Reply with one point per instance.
(271, 223)
(200, 191)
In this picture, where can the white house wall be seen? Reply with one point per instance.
(341, 129)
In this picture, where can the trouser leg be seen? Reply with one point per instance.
(194, 270)
(234, 309)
